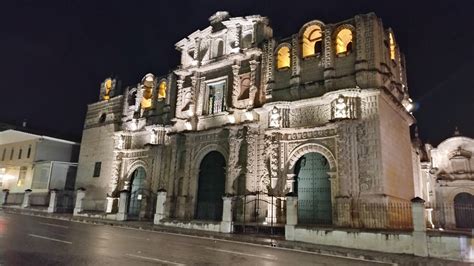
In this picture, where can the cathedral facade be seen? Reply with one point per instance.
(322, 115)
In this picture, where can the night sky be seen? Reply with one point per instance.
(55, 54)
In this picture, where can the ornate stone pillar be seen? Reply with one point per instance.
(179, 98)
(235, 84)
(253, 85)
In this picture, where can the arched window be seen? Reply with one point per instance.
(147, 83)
(312, 41)
(162, 90)
(344, 42)
(108, 88)
(283, 57)
(218, 48)
(392, 46)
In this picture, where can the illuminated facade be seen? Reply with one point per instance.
(318, 114)
(445, 179)
(35, 162)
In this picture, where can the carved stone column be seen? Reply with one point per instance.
(253, 85)
(179, 98)
(235, 84)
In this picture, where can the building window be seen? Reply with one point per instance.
(162, 90)
(244, 86)
(108, 88)
(216, 99)
(22, 176)
(19, 154)
(11, 154)
(283, 57)
(218, 48)
(344, 42)
(392, 46)
(28, 154)
(3, 154)
(41, 176)
(97, 167)
(312, 42)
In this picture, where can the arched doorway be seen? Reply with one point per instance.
(313, 188)
(136, 192)
(464, 210)
(211, 187)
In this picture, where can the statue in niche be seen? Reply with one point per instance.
(275, 118)
(340, 108)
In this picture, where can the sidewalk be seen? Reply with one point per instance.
(265, 240)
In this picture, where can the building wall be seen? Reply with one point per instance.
(396, 151)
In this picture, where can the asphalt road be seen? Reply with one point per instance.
(27, 240)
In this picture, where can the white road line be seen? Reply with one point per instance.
(243, 254)
(256, 245)
(52, 239)
(154, 259)
(57, 225)
(224, 240)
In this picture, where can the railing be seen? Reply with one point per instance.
(393, 215)
(450, 216)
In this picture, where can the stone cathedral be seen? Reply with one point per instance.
(323, 115)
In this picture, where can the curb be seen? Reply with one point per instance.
(281, 243)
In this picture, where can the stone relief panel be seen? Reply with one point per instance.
(309, 115)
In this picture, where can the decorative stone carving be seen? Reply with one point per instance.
(344, 108)
(275, 118)
(253, 85)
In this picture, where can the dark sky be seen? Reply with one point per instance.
(55, 54)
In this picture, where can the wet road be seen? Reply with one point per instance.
(27, 240)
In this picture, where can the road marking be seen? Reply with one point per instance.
(52, 239)
(221, 240)
(269, 257)
(57, 225)
(258, 245)
(154, 259)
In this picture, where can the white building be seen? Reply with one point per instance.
(35, 162)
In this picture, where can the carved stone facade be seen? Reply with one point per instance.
(229, 97)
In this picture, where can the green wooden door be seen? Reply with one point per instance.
(211, 187)
(314, 190)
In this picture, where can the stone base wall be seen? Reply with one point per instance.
(451, 247)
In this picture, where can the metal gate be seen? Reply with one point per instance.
(314, 190)
(259, 213)
(136, 193)
(464, 210)
(211, 187)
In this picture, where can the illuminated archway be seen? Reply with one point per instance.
(283, 57)
(392, 46)
(312, 40)
(344, 41)
(162, 90)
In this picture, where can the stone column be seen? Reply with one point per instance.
(53, 201)
(226, 224)
(291, 216)
(160, 206)
(111, 205)
(4, 197)
(420, 244)
(26, 199)
(122, 206)
(79, 207)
